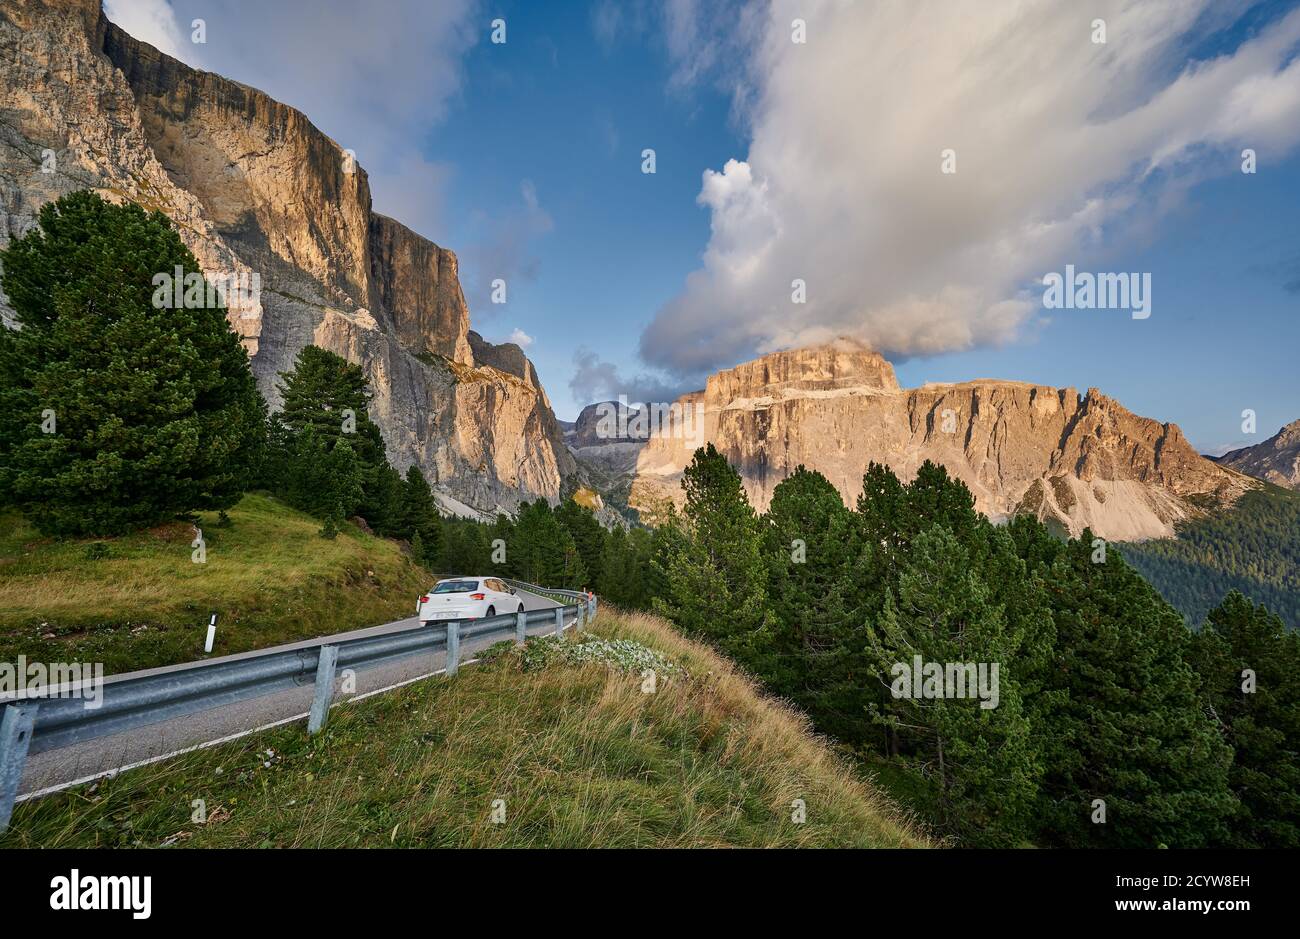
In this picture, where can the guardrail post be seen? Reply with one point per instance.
(320, 705)
(453, 647)
(521, 628)
(582, 617)
(559, 621)
(15, 737)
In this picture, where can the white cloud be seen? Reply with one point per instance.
(595, 379)
(1063, 146)
(151, 21)
(520, 338)
(606, 23)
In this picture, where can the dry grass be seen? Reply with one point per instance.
(579, 756)
(269, 576)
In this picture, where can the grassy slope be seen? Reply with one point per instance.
(269, 576)
(581, 756)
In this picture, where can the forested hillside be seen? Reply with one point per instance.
(1253, 549)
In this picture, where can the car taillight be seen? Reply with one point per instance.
(424, 599)
(478, 596)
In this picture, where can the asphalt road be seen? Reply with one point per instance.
(93, 758)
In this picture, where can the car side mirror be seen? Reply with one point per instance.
(512, 591)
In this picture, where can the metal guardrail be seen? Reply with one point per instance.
(36, 723)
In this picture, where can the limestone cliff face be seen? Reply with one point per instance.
(1077, 461)
(840, 365)
(254, 187)
(1276, 460)
(419, 283)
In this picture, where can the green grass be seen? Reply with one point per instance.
(579, 755)
(140, 601)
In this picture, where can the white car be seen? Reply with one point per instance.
(461, 598)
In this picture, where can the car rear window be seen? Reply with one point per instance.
(456, 586)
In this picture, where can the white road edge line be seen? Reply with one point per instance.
(49, 790)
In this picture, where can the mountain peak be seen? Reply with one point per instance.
(1075, 461)
(1276, 460)
(840, 366)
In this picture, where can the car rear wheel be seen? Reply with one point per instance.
(491, 611)
(521, 608)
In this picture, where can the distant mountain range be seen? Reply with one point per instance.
(254, 187)
(1276, 460)
(1072, 460)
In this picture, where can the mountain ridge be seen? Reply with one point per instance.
(254, 187)
(1276, 460)
(1075, 461)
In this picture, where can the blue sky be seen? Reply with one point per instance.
(525, 158)
(556, 108)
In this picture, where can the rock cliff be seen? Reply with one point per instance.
(1073, 460)
(1276, 460)
(254, 187)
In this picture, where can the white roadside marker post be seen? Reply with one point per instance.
(212, 634)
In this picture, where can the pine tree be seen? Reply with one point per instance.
(418, 552)
(716, 578)
(326, 391)
(618, 579)
(333, 524)
(587, 534)
(665, 540)
(465, 549)
(1125, 724)
(500, 535)
(327, 395)
(385, 505)
(542, 551)
(640, 574)
(1248, 664)
(420, 512)
(120, 413)
(810, 543)
(979, 761)
(320, 480)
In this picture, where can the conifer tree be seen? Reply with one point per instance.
(810, 544)
(965, 736)
(716, 578)
(1249, 669)
(499, 536)
(1125, 724)
(465, 548)
(327, 392)
(420, 512)
(613, 583)
(328, 395)
(386, 504)
(320, 480)
(587, 534)
(119, 412)
(542, 550)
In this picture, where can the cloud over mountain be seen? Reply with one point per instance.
(1060, 143)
